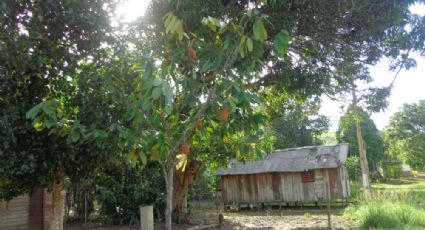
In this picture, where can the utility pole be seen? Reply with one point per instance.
(362, 151)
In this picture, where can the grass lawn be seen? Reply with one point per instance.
(398, 204)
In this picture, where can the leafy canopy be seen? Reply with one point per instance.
(43, 44)
(405, 136)
(346, 133)
(294, 122)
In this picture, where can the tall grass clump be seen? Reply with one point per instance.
(390, 210)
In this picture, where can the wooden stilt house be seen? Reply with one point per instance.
(291, 175)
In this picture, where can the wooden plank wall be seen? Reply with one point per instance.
(345, 182)
(14, 213)
(283, 187)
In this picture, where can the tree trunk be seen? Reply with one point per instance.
(58, 200)
(363, 162)
(375, 175)
(362, 152)
(183, 181)
(169, 175)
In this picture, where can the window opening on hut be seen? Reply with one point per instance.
(308, 176)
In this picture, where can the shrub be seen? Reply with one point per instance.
(121, 192)
(355, 189)
(204, 187)
(353, 166)
(392, 170)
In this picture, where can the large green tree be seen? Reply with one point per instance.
(405, 136)
(346, 133)
(293, 121)
(193, 63)
(41, 45)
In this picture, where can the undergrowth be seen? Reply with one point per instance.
(392, 206)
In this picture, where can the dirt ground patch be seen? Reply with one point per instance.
(249, 220)
(274, 219)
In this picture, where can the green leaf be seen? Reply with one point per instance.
(173, 25)
(238, 154)
(169, 22)
(211, 22)
(49, 122)
(148, 72)
(167, 91)
(32, 113)
(179, 30)
(249, 44)
(157, 82)
(281, 42)
(231, 101)
(242, 46)
(100, 133)
(156, 93)
(74, 136)
(212, 27)
(226, 44)
(207, 66)
(168, 17)
(146, 105)
(49, 110)
(260, 32)
(143, 158)
(132, 159)
(156, 156)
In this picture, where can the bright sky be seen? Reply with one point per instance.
(130, 10)
(409, 87)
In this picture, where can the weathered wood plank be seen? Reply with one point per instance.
(284, 187)
(297, 188)
(276, 186)
(15, 214)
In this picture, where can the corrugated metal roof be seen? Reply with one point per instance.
(292, 160)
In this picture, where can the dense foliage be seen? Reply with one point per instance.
(405, 136)
(346, 133)
(353, 167)
(392, 168)
(187, 74)
(328, 138)
(294, 122)
(121, 189)
(42, 44)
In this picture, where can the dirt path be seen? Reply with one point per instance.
(274, 219)
(251, 220)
